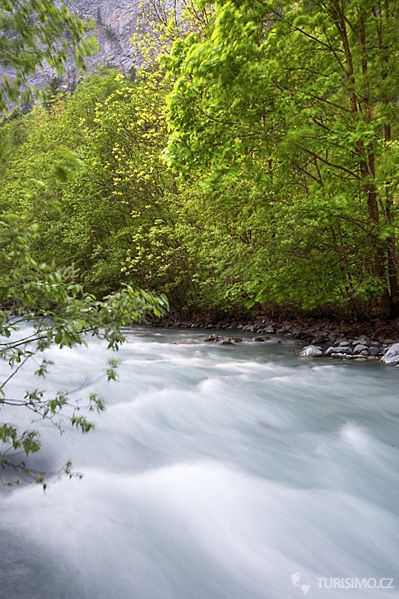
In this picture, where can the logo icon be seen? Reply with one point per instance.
(301, 580)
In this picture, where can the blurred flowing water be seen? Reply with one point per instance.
(216, 472)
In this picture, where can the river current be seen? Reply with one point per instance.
(216, 472)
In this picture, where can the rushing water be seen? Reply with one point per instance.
(216, 472)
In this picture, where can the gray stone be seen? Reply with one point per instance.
(225, 341)
(344, 344)
(374, 351)
(391, 356)
(333, 350)
(360, 348)
(311, 351)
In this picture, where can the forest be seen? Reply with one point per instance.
(242, 172)
(250, 162)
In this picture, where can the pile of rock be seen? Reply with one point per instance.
(223, 340)
(362, 348)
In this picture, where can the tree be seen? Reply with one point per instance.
(57, 310)
(56, 177)
(115, 202)
(296, 105)
(162, 225)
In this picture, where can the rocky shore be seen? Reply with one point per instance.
(374, 340)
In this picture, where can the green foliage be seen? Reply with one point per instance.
(285, 114)
(59, 313)
(88, 170)
(56, 179)
(42, 155)
(252, 159)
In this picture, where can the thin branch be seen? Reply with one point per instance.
(24, 341)
(328, 163)
(14, 372)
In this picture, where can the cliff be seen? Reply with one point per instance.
(115, 21)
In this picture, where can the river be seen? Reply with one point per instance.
(216, 472)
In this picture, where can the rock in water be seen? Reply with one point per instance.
(391, 356)
(225, 341)
(311, 351)
(212, 338)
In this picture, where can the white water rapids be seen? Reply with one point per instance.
(216, 472)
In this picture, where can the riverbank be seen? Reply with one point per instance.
(309, 329)
(320, 337)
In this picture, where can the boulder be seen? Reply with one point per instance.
(391, 356)
(225, 341)
(311, 351)
(347, 350)
(359, 349)
(375, 343)
(344, 344)
(364, 340)
(374, 351)
(334, 350)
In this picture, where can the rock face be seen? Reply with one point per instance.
(391, 357)
(115, 23)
